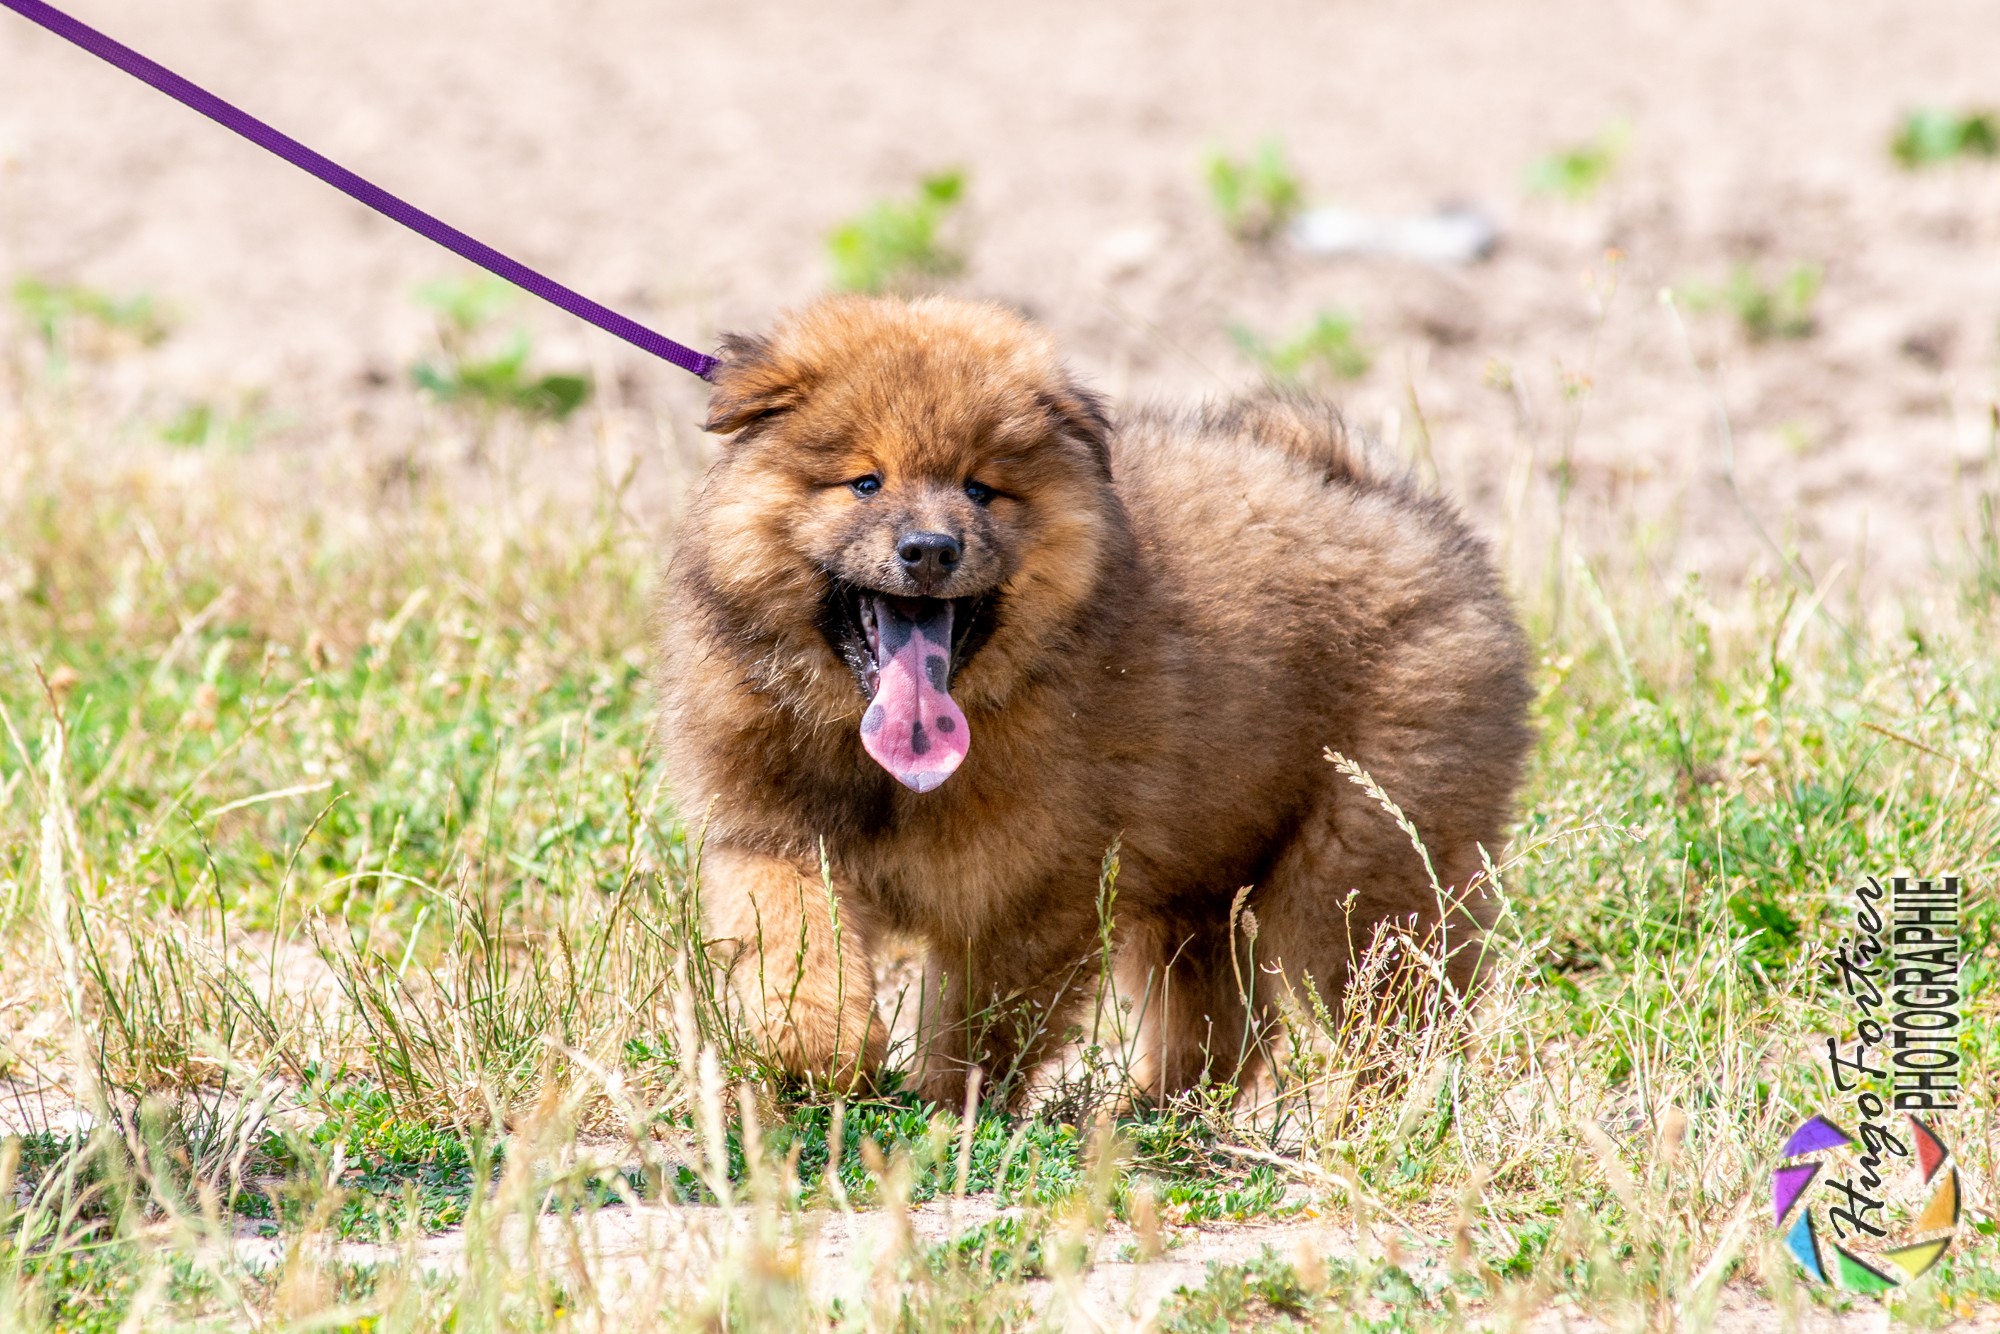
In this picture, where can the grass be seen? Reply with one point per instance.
(901, 244)
(201, 424)
(1766, 309)
(1256, 196)
(1328, 349)
(340, 892)
(1315, 1292)
(1578, 171)
(72, 320)
(1931, 135)
(1777, 309)
(487, 373)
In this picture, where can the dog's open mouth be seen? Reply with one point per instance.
(904, 652)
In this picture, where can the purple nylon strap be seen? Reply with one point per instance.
(340, 178)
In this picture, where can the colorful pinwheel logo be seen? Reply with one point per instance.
(1813, 1199)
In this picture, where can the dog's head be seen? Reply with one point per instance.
(925, 487)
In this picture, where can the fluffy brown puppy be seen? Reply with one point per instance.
(937, 635)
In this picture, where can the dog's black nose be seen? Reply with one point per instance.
(929, 557)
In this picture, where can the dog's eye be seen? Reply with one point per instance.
(866, 486)
(979, 492)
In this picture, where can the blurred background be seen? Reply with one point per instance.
(1193, 197)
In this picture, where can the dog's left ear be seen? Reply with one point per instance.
(1083, 416)
(752, 383)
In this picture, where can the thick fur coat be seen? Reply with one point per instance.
(1157, 631)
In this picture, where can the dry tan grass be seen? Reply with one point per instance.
(316, 778)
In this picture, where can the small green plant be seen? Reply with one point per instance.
(1256, 196)
(1328, 348)
(1327, 1293)
(1781, 309)
(1764, 309)
(900, 243)
(464, 306)
(490, 381)
(1982, 591)
(406, 1172)
(202, 423)
(1931, 135)
(191, 426)
(1578, 171)
(504, 381)
(61, 313)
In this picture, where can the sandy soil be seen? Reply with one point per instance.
(646, 1254)
(685, 162)
(650, 1253)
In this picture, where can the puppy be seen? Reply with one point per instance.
(937, 635)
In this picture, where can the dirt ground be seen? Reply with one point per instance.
(653, 1253)
(685, 162)
(642, 1253)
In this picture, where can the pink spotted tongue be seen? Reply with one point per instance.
(912, 727)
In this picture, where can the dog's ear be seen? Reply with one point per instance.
(1082, 415)
(753, 382)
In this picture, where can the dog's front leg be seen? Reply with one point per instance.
(799, 964)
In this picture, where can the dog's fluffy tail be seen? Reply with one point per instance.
(1310, 431)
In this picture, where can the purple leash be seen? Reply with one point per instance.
(374, 196)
